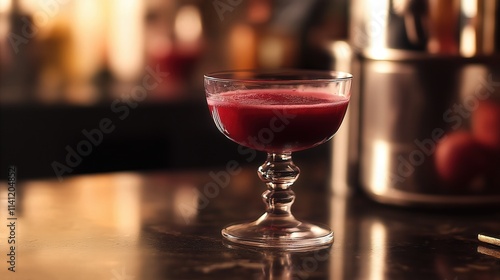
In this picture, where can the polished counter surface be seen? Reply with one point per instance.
(166, 225)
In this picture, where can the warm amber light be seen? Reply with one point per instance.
(126, 38)
(5, 6)
(188, 26)
(378, 240)
(380, 167)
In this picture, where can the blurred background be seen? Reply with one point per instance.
(65, 65)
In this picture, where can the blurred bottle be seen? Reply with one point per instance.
(18, 64)
(274, 34)
(174, 44)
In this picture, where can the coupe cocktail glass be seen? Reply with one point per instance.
(278, 112)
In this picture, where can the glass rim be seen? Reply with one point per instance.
(270, 76)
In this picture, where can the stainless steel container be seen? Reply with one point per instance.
(425, 126)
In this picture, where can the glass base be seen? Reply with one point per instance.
(279, 231)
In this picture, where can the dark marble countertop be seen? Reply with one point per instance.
(166, 225)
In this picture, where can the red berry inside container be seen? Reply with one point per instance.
(460, 159)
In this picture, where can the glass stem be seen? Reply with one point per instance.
(279, 172)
